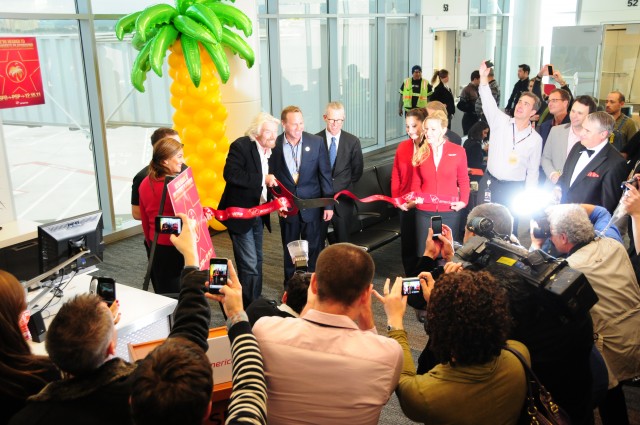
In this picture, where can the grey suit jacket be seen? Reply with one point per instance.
(554, 153)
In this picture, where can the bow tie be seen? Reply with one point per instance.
(588, 151)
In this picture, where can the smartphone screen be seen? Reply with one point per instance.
(411, 285)
(106, 289)
(168, 224)
(550, 70)
(218, 273)
(436, 225)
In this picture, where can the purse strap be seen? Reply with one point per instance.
(532, 379)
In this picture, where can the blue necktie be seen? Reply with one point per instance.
(332, 151)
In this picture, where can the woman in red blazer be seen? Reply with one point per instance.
(440, 168)
(401, 184)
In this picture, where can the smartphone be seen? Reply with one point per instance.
(550, 70)
(436, 225)
(488, 63)
(218, 273)
(411, 285)
(106, 289)
(168, 224)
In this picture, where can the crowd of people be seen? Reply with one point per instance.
(317, 357)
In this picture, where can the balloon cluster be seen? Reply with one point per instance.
(200, 120)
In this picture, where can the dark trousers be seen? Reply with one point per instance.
(341, 221)
(468, 120)
(292, 229)
(166, 269)
(613, 410)
(408, 240)
(502, 192)
(247, 251)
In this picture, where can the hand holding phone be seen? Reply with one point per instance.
(488, 63)
(550, 70)
(168, 225)
(411, 285)
(218, 274)
(436, 226)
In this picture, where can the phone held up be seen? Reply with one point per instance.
(436, 226)
(218, 274)
(168, 224)
(411, 285)
(105, 288)
(488, 63)
(550, 70)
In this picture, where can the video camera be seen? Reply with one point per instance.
(568, 289)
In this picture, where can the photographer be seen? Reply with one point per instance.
(616, 316)
(476, 381)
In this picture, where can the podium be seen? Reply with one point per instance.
(219, 355)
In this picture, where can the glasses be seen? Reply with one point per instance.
(334, 121)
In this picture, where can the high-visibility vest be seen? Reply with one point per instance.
(407, 94)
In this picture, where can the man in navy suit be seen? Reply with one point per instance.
(301, 163)
(247, 178)
(594, 169)
(345, 158)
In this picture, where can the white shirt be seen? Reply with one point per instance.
(514, 155)
(264, 162)
(585, 159)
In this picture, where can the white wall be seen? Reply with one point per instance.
(594, 12)
(435, 18)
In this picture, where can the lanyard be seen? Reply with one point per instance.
(513, 130)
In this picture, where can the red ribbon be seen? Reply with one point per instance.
(421, 198)
(285, 199)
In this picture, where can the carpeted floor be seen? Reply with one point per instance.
(125, 260)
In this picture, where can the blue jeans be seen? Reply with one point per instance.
(247, 251)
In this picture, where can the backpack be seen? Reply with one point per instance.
(616, 138)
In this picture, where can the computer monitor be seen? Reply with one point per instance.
(61, 240)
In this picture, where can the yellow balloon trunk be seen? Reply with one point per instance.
(200, 120)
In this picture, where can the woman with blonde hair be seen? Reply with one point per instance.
(440, 170)
(167, 160)
(22, 374)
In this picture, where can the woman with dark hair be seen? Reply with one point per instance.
(22, 374)
(440, 169)
(442, 92)
(473, 146)
(477, 381)
(168, 263)
(401, 176)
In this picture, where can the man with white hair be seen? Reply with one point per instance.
(594, 169)
(616, 315)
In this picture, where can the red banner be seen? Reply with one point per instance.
(20, 79)
(185, 199)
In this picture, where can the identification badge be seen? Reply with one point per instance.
(295, 177)
(513, 158)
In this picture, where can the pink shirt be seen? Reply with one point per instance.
(322, 369)
(572, 140)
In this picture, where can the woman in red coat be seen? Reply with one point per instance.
(440, 168)
(401, 184)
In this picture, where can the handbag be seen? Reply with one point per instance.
(539, 409)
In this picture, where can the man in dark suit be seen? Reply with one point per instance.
(301, 163)
(594, 169)
(247, 178)
(345, 158)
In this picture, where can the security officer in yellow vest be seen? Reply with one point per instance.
(414, 91)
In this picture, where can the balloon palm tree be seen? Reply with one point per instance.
(197, 33)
